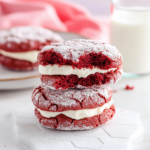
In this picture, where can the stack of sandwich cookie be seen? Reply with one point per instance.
(75, 92)
(19, 46)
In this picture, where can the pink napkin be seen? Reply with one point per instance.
(53, 14)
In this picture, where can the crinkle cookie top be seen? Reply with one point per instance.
(76, 51)
(30, 35)
(73, 99)
(23, 33)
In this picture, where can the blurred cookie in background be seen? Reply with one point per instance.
(19, 46)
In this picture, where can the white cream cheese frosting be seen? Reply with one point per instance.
(78, 114)
(68, 70)
(30, 56)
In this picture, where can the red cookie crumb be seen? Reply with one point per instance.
(114, 91)
(129, 87)
(63, 122)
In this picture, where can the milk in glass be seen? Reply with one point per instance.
(130, 33)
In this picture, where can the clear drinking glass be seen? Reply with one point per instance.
(130, 33)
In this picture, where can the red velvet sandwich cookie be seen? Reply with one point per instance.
(79, 64)
(19, 46)
(73, 109)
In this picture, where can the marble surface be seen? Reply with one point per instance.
(124, 129)
(137, 100)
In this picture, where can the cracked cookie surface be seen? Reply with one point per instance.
(47, 99)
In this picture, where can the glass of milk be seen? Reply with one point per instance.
(130, 33)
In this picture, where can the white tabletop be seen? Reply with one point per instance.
(136, 100)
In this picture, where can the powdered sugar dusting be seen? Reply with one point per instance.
(117, 76)
(24, 33)
(70, 126)
(71, 98)
(64, 126)
(73, 49)
(50, 122)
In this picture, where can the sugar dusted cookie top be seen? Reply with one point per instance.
(26, 38)
(81, 53)
(47, 99)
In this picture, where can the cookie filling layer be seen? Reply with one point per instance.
(78, 114)
(68, 70)
(30, 56)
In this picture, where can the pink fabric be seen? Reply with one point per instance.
(53, 14)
